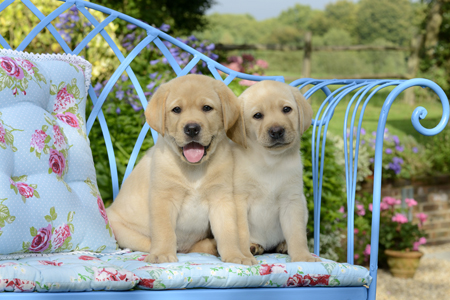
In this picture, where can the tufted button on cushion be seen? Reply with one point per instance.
(49, 200)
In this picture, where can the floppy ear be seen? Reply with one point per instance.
(231, 113)
(305, 111)
(156, 108)
(237, 132)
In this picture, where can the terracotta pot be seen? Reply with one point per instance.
(403, 264)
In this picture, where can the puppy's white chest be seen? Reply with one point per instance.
(193, 220)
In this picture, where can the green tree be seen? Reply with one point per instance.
(184, 16)
(390, 20)
(342, 15)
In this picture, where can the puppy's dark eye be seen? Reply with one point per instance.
(176, 109)
(207, 108)
(286, 109)
(258, 116)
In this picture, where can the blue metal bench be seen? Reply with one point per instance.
(364, 88)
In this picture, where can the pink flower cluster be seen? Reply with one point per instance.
(421, 241)
(2, 133)
(422, 218)
(59, 143)
(26, 64)
(60, 235)
(63, 101)
(38, 140)
(400, 218)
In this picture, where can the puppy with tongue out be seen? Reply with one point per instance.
(181, 192)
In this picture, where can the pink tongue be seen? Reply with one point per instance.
(193, 152)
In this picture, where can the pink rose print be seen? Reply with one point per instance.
(26, 64)
(50, 263)
(266, 269)
(59, 143)
(2, 133)
(60, 235)
(101, 208)
(16, 285)
(307, 280)
(148, 283)
(69, 118)
(63, 101)
(13, 182)
(42, 239)
(86, 257)
(37, 140)
(7, 264)
(11, 67)
(111, 274)
(57, 162)
(142, 257)
(25, 190)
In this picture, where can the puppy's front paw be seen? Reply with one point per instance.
(159, 258)
(240, 260)
(304, 257)
(282, 248)
(256, 249)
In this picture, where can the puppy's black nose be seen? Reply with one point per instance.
(276, 132)
(192, 129)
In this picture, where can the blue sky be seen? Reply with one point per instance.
(262, 9)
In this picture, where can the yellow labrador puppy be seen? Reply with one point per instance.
(182, 189)
(268, 181)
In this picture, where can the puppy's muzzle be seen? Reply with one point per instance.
(276, 132)
(192, 129)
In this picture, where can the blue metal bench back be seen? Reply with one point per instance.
(365, 90)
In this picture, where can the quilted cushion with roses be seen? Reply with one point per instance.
(49, 201)
(64, 273)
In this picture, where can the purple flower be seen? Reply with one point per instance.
(371, 159)
(214, 56)
(395, 167)
(397, 160)
(396, 140)
(363, 142)
(131, 26)
(415, 150)
(165, 27)
(75, 18)
(124, 77)
(399, 148)
(164, 60)
(363, 131)
(118, 111)
(154, 62)
(153, 75)
(386, 130)
(98, 86)
(192, 38)
(388, 151)
(374, 133)
(210, 47)
(151, 85)
(120, 94)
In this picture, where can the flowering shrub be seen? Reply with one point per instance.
(246, 64)
(397, 232)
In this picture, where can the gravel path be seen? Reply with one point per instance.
(431, 281)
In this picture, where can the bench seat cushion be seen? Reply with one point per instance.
(65, 273)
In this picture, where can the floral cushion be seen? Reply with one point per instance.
(49, 201)
(196, 270)
(64, 273)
